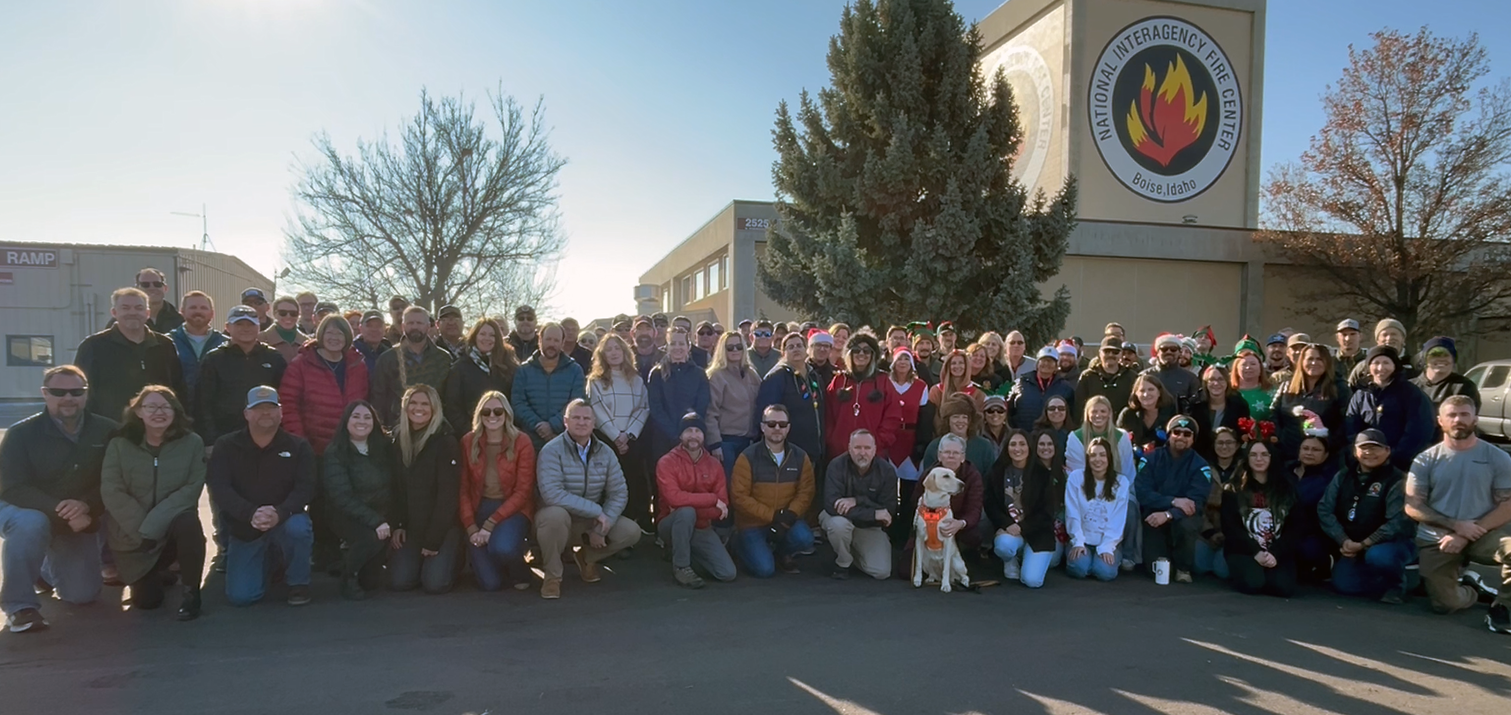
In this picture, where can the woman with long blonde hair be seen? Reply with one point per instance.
(954, 378)
(487, 363)
(425, 534)
(497, 500)
(732, 389)
(621, 408)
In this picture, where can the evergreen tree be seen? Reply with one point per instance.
(896, 200)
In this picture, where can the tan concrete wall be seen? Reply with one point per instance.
(1149, 297)
(1029, 44)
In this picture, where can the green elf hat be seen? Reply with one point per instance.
(918, 327)
(1249, 344)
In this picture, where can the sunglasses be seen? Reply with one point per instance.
(706, 332)
(1055, 408)
(995, 411)
(773, 424)
(864, 350)
(288, 313)
(1169, 349)
(734, 348)
(151, 284)
(492, 412)
(253, 301)
(70, 392)
(1181, 433)
(762, 333)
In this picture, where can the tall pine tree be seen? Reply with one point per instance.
(896, 198)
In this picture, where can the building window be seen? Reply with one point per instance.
(723, 272)
(666, 298)
(687, 290)
(28, 350)
(715, 277)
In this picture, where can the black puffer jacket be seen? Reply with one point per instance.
(118, 369)
(427, 491)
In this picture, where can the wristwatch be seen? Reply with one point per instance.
(1170, 514)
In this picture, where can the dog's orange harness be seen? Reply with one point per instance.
(931, 517)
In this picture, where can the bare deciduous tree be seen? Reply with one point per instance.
(1402, 202)
(453, 213)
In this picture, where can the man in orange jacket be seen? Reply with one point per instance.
(693, 496)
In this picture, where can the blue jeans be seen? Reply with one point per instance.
(248, 564)
(1035, 563)
(503, 557)
(30, 550)
(1092, 563)
(755, 550)
(1210, 560)
(1382, 568)
(732, 447)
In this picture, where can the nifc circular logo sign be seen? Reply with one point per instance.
(1165, 109)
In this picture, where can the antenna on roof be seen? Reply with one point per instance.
(205, 244)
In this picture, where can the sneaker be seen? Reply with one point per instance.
(840, 574)
(1010, 570)
(218, 564)
(111, 576)
(588, 569)
(352, 591)
(1498, 620)
(42, 587)
(189, 608)
(1126, 566)
(1183, 577)
(299, 595)
(687, 577)
(1473, 580)
(551, 589)
(786, 565)
(1394, 597)
(26, 619)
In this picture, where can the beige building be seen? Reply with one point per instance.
(52, 296)
(1154, 106)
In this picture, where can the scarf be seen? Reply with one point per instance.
(480, 360)
(289, 336)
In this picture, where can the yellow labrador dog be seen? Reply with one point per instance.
(934, 554)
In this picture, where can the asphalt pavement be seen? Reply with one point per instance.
(637, 643)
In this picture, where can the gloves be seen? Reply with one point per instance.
(786, 518)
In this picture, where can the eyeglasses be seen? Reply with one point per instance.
(491, 412)
(762, 333)
(1055, 408)
(253, 301)
(156, 408)
(1169, 349)
(61, 392)
(773, 424)
(288, 313)
(151, 284)
(734, 348)
(706, 332)
(996, 411)
(1181, 433)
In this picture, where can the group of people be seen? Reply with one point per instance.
(399, 450)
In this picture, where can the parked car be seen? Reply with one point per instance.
(1494, 380)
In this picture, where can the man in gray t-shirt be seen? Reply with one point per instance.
(1459, 492)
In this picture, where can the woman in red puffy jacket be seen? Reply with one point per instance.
(321, 381)
(497, 495)
(858, 398)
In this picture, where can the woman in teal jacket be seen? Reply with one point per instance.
(153, 474)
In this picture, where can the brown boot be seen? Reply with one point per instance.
(588, 569)
(551, 589)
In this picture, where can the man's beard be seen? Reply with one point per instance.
(862, 465)
(415, 336)
(1461, 431)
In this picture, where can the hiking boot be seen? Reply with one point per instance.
(299, 595)
(687, 577)
(1498, 620)
(588, 569)
(352, 591)
(551, 589)
(1183, 577)
(26, 619)
(189, 608)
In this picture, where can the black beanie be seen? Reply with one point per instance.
(1383, 351)
(692, 419)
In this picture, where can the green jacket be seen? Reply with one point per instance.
(391, 378)
(143, 494)
(358, 486)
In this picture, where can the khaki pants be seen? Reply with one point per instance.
(1440, 571)
(556, 530)
(866, 547)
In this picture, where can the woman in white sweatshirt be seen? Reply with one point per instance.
(1096, 509)
(1098, 422)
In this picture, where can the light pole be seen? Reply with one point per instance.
(204, 218)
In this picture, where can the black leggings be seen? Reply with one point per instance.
(639, 482)
(185, 543)
(1251, 578)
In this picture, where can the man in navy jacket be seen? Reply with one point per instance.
(1172, 491)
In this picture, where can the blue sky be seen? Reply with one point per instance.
(117, 113)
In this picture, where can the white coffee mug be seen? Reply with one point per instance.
(1162, 571)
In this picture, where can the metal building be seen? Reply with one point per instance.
(52, 296)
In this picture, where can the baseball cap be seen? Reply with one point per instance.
(745, 322)
(254, 293)
(398, 301)
(450, 310)
(242, 312)
(325, 307)
(622, 325)
(373, 315)
(1371, 436)
(659, 319)
(1276, 338)
(1130, 348)
(1348, 324)
(1048, 352)
(1112, 342)
(1298, 339)
(524, 312)
(260, 395)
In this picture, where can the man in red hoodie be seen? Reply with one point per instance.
(693, 496)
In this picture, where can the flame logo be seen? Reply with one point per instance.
(1164, 123)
